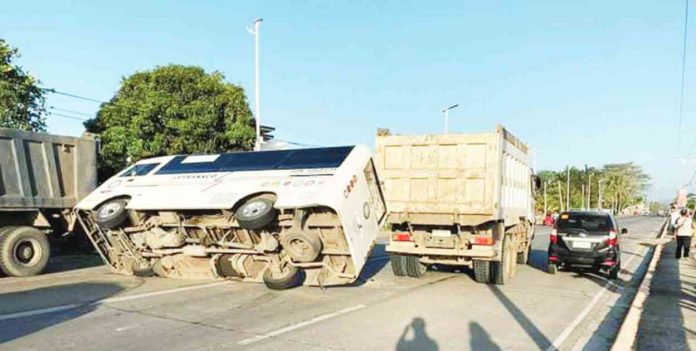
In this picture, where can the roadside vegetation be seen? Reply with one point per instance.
(619, 185)
(21, 98)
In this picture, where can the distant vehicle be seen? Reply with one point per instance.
(282, 217)
(42, 177)
(458, 199)
(586, 239)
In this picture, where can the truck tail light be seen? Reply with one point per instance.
(554, 236)
(402, 237)
(612, 238)
(482, 240)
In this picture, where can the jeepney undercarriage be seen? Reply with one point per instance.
(293, 246)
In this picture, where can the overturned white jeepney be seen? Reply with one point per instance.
(282, 217)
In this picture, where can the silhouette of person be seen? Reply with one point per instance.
(480, 339)
(420, 342)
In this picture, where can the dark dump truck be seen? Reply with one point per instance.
(42, 177)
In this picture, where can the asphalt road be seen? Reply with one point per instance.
(91, 309)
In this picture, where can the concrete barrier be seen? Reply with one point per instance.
(629, 328)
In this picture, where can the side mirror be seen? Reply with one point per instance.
(624, 231)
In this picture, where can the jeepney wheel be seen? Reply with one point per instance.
(502, 271)
(285, 278)
(24, 251)
(301, 246)
(482, 271)
(255, 213)
(414, 267)
(398, 263)
(111, 214)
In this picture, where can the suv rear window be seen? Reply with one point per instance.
(586, 222)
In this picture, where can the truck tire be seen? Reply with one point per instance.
(24, 251)
(398, 265)
(482, 271)
(502, 271)
(289, 277)
(414, 267)
(301, 246)
(111, 214)
(255, 213)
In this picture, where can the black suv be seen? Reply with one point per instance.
(585, 238)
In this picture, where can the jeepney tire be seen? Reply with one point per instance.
(24, 251)
(523, 257)
(255, 213)
(414, 267)
(398, 264)
(111, 214)
(291, 277)
(301, 246)
(503, 270)
(552, 268)
(143, 272)
(482, 271)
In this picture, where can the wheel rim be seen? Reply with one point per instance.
(109, 209)
(300, 248)
(28, 252)
(282, 273)
(254, 208)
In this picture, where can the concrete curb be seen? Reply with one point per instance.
(629, 328)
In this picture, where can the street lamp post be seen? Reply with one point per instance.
(255, 32)
(445, 111)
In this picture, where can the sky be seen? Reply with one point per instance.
(591, 82)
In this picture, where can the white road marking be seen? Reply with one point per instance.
(60, 308)
(574, 324)
(292, 327)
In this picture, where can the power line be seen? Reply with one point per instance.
(683, 74)
(54, 91)
(67, 116)
(71, 111)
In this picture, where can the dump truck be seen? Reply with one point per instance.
(42, 177)
(457, 199)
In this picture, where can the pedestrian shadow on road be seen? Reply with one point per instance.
(480, 339)
(26, 312)
(420, 340)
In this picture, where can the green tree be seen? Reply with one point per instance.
(21, 98)
(171, 110)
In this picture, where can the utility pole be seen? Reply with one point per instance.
(589, 192)
(600, 200)
(560, 196)
(445, 111)
(583, 196)
(545, 202)
(568, 188)
(257, 81)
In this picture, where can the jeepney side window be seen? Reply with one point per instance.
(376, 197)
(139, 170)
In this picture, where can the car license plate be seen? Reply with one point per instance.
(582, 244)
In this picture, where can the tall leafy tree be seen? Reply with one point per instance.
(172, 110)
(21, 98)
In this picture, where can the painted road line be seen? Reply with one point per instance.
(60, 308)
(303, 324)
(583, 314)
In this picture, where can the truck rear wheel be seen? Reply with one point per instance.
(398, 265)
(502, 271)
(523, 257)
(24, 251)
(482, 271)
(414, 267)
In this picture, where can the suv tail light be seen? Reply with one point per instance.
(612, 238)
(554, 236)
(401, 237)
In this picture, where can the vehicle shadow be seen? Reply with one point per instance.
(17, 322)
(419, 340)
(375, 263)
(541, 341)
